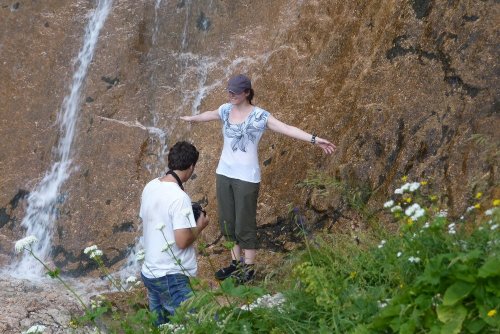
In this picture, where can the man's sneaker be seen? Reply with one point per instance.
(244, 274)
(228, 271)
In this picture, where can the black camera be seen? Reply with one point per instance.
(197, 210)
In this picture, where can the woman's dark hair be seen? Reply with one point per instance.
(182, 155)
(250, 95)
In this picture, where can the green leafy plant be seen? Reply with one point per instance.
(354, 196)
(428, 273)
(454, 287)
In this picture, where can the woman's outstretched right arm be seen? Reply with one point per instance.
(206, 116)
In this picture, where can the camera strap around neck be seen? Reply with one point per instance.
(176, 177)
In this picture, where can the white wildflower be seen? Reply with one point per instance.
(382, 243)
(451, 228)
(383, 303)
(420, 212)
(140, 255)
(25, 242)
(414, 259)
(267, 301)
(131, 279)
(399, 254)
(95, 303)
(389, 204)
(490, 212)
(417, 214)
(93, 251)
(442, 214)
(494, 227)
(398, 191)
(426, 225)
(396, 208)
(37, 329)
(414, 186)
(90, 249)
(405, 187)
(160, 226)
(96, 253)
(469, 209)
(172, 328)
(412, 209)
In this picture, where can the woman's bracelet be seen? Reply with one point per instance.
(313, 139)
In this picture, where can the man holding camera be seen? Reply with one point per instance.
(170, 229)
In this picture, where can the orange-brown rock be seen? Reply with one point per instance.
(401, 87)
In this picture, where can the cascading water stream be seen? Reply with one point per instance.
(185, 30)
(42, 201)
(156, 23)
(194, 88)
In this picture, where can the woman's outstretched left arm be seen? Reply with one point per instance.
(294, 132)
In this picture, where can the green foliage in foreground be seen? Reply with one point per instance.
(434, 275)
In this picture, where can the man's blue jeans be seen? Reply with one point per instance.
(166, 293)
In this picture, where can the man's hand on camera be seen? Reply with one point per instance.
(202, 221)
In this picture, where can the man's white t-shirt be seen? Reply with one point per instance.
(239, 159)
(165, 207)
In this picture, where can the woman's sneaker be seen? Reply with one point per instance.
(228, 271)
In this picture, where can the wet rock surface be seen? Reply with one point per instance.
(25, 304)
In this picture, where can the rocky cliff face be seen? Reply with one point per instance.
(406, 87)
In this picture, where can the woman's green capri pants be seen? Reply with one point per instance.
(237, 205)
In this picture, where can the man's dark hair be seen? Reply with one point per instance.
(182, 155)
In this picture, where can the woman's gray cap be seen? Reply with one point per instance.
(238, 84)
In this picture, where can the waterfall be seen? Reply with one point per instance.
(185, 30)
(156, 23)
(42, 202)
(193, 84)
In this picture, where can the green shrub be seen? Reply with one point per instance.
(436, 274)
